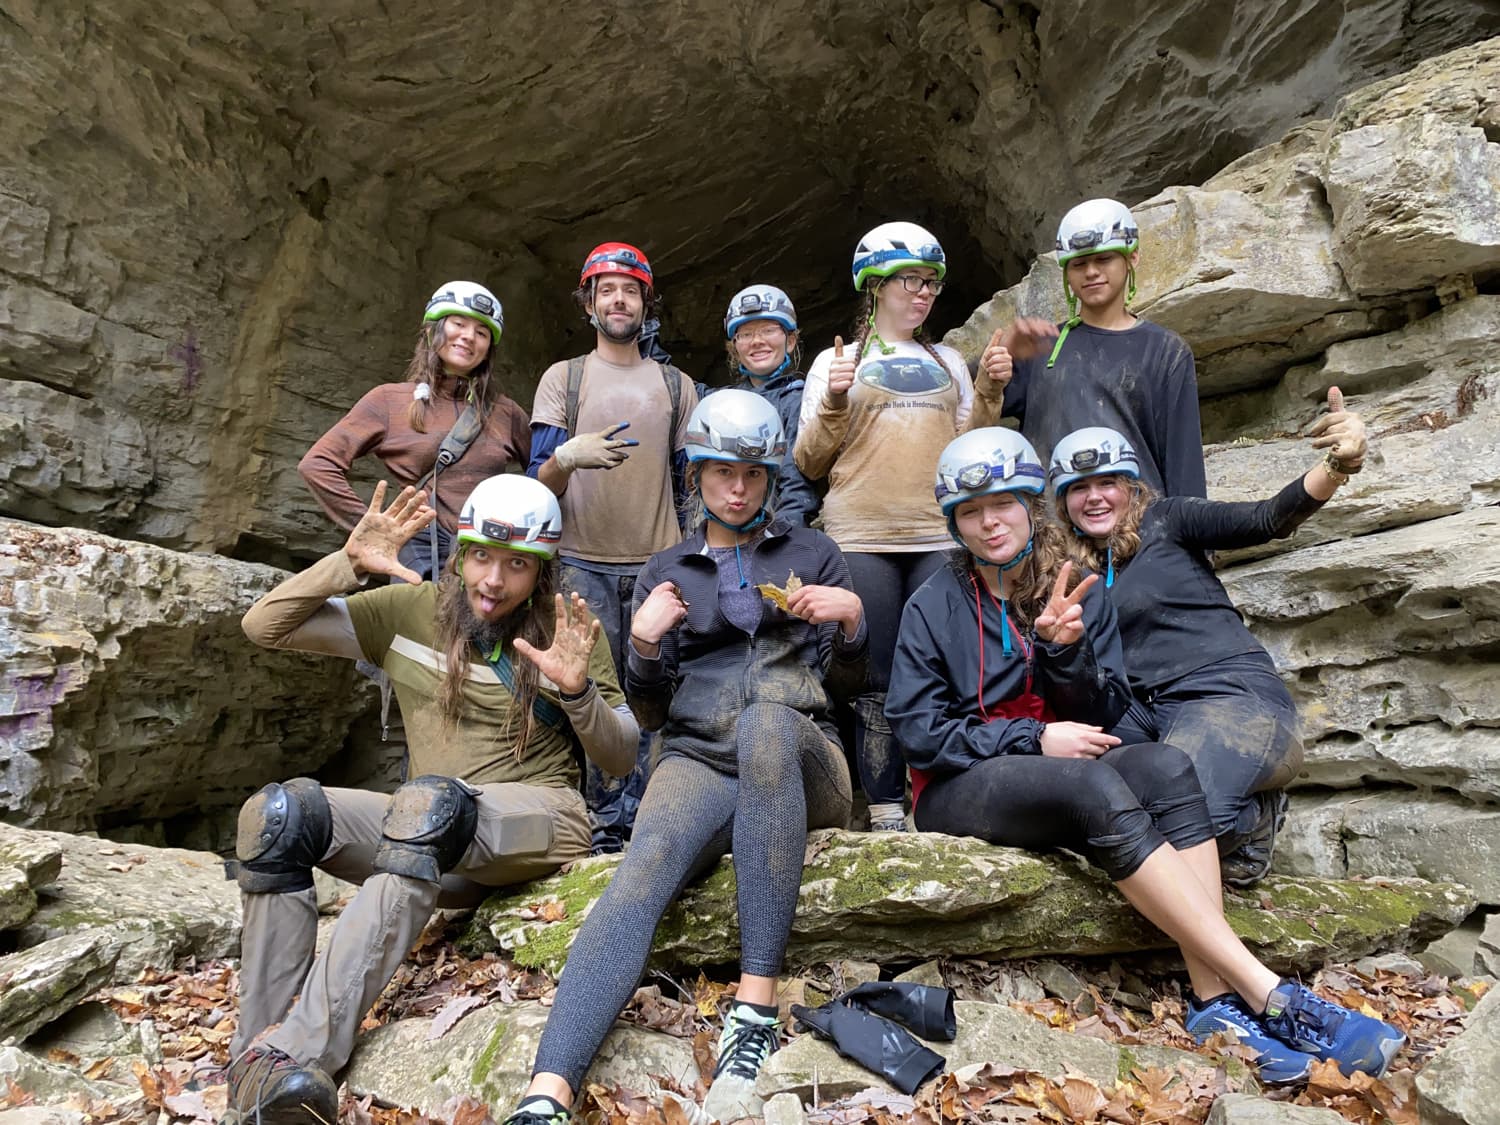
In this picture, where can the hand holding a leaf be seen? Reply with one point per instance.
(817, 605)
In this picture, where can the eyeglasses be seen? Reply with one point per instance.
(915, 283)
(765, 332)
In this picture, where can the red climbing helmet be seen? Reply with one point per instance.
(616, 257)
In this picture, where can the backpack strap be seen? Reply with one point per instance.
(466, 428)
(673, 379)
(544, 709)
(570, 397)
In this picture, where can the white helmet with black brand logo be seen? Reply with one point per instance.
(512, 511)
(736, 425)
(1095, 451)
(467, 298)
(986, 461)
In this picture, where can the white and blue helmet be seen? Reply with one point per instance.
(1094, 451)
(896, 246)
(759, 302)
(736, 425)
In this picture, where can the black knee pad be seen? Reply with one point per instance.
(428, 827)
(284, 829)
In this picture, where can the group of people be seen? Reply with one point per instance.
(645, 614)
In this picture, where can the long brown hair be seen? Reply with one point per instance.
(1033, 582)
(426, 367)
(864, 326)
(534, 623)
(1123, 542)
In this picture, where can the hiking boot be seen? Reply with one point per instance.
(749, 1037)
(1228, 1014)
(1249, 863)
(269, 1087)
(538, 1110)
(1299, 1017)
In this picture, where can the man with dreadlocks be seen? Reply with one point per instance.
(444, 428)
(497, 674)
(608, 430)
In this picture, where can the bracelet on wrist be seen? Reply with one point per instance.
(1335, 469)
(574, 697)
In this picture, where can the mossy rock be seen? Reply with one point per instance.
(911, 897)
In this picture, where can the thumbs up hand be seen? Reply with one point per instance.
(1341, 433)
(995, 367)
(840, 371)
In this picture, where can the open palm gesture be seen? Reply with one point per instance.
(375, 543)
(566, 663)
(1061, 619)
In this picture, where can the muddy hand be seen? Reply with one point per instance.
(602, 450)
(566, 662)
(1342, 433)
(841, 370)
(374, 546)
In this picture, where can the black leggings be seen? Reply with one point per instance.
(1117, 809)
(883, 582)
(791, 778)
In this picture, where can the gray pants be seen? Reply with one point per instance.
(377, 930)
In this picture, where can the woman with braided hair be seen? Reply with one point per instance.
(874, 417)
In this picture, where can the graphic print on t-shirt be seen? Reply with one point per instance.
(905, 375)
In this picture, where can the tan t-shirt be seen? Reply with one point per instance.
(396, 629)
(880, 452)
(625, 514)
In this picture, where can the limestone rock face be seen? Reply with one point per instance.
(130, 691)
(26, 863)
(488, 1054)
(1462, 1085)
(921, 895)
(220, 237)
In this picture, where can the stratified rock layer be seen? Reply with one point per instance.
(915, 896)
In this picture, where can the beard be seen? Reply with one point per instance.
(487, 636)
(622, 335)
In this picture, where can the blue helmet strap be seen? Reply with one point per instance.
(1109, 576)
(739, 528)
(768, 376)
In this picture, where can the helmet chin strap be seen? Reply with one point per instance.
(768, 376)
(739, 528)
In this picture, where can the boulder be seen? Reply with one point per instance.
(157, 904)
(26, 863)
(52, 1082)
(130, 691)
(39, 984)
(920, 895)
(1393, 833)
(987, 1033)
(488, 1054)
(1461, 1086)
(1248, 1109)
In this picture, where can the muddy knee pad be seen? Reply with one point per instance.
(427, 828)
(284, 829)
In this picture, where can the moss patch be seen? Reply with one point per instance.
(484, 1062)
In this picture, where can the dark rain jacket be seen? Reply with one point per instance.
(933, 702)
(708, 670)
(796, 498)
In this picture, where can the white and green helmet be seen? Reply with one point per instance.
(736, 425)
(759, 302)
(1093, 451)
(467, 298)
(512, 511)
(1094, 227)
(896, 246)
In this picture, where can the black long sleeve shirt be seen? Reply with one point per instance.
(1140, 381)
(1175, 615)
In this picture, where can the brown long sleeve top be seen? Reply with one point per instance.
(378, 425)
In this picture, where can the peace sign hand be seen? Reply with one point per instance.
(566, 663)
(376, 541)
(1061, 619)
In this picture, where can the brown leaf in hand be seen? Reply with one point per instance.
(778, 595)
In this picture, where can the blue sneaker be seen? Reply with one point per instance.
(1299, 1017)
(1229, 1015)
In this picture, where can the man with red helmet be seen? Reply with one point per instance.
(608, 430)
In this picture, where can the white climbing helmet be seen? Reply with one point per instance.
(468, 298)
(983, 462)
(735, 425)
(512, 511)
(1094, 227)
(759, 302)
(895, 246)
(1094, 451)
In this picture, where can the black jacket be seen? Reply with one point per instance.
(1175, 615)
(796, 499)
(708, 670)
(933, 701)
